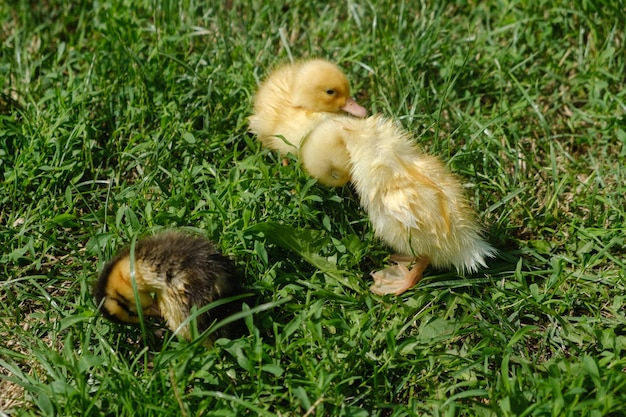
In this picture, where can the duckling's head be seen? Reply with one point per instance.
(324, 154)
(320, 85)
(115, 295)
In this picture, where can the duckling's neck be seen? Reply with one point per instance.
(170, 293)
(147, 277)
(174, 309)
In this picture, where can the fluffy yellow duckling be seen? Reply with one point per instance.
(414, 203)
(174, 272)
(295, 98)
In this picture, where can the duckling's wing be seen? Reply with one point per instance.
(418, 203)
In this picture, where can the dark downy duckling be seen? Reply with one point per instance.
(175, 273)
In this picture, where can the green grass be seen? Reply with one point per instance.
(120, 118)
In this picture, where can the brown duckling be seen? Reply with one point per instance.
(174, 273)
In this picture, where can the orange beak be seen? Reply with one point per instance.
(354, 108)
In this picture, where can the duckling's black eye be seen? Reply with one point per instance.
(330, 92)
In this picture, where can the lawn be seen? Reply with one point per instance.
(121, 118)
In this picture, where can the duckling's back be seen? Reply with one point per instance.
(192, 273)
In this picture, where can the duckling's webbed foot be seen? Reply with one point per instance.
(398, 278)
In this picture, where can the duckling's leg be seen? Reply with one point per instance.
(397, 279)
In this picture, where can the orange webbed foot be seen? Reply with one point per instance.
(398, 278)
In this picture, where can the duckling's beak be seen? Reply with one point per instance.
(153, 310)
(354, 108)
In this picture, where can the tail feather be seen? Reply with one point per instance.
(474, 256)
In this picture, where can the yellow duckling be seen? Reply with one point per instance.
(414, 203)
(295, 98)
(174, 273)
